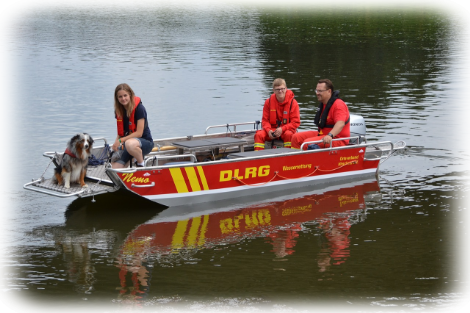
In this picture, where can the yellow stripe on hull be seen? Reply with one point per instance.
(178, 179)
(203, 178)
(193, 181)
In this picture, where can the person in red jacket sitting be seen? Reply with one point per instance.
(332, 119)
(281, 116)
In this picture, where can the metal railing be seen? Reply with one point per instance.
(358, 138)
(385, 153)
(53, 154)
(234, 125)
(169, 157)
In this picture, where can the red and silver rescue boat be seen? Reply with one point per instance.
(223, 167)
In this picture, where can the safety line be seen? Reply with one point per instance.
(277, 174)
(259, 184)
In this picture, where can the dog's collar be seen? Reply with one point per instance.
(67, 151)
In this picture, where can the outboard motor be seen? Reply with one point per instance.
(357, 127)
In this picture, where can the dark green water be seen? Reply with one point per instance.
(395, 247)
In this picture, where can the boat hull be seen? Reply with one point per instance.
(259, 175)
(254, 193)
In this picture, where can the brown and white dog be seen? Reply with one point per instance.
(74, 162)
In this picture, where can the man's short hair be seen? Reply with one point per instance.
(279, 82)
(328, 83)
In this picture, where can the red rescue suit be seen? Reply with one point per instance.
(275, 114)
(132, 124)
(338, 112)
(337, 232)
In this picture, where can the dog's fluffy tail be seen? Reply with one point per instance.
(57, 171)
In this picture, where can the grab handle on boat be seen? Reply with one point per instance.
(142, 186)
(399, 145)
(394, 147)
(156, 158)
(228, 125)
(101, 138)
(52, 154)
(331, 146)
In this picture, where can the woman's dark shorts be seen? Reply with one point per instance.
(145, 145)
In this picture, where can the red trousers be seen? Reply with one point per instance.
(312, 135)
(261, 136)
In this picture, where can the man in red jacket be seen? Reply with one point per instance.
(332, 119)
(281, 116)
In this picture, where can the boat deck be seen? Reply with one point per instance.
(96, 178)
(94, 188)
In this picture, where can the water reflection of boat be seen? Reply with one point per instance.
(91, 233)
(169, 239)
(149, 237)
(165, 235)
(216, 167)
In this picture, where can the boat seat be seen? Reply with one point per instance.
(279, 143)
(260, 153)
(208, 144)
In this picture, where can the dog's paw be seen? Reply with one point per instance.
(85, 186)
(67, 186)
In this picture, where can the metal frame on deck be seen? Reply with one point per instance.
(234, 125)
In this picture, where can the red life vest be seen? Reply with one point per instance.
(67, 151)
(132, 125)
(273, 112)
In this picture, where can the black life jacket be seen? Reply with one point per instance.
(321, 116)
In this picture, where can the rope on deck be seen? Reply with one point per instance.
(101, 158)
(52, 160)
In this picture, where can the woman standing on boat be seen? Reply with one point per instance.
(134, 137)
